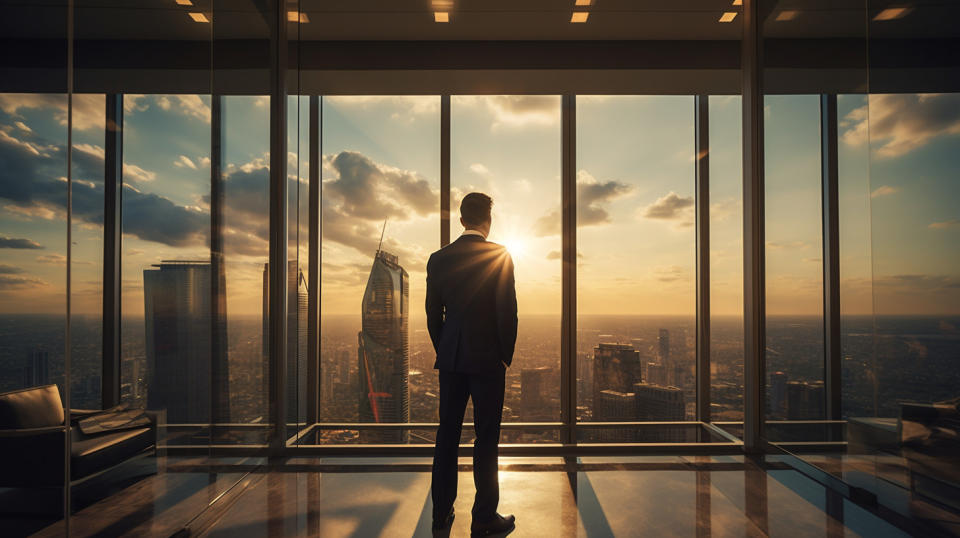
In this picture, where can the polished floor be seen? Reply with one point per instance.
(551, 497)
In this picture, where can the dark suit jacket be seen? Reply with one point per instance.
(472, 306)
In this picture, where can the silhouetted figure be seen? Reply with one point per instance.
(472, 318)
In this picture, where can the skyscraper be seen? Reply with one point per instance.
(805, 401)
(534, 403)
(176, 302)
(616, 367)
(656, 403)
(663, 342)
(383, 349)
(616, 406)
(778, 394)
(296, 340)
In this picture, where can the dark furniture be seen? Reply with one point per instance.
(32, 441)
(930, 442)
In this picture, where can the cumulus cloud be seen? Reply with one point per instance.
(134, 172)
(188, 105)
(19, 243)
(369, 190)
(883, 190)
(671, 207)
(592, 198)
(88, 109)
(952, 223)
(901, 123)
(517, 110)
(185, 162)
(479, 169)
(22, 126)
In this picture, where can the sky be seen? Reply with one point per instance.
(900, 226)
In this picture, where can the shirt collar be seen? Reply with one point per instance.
(473, 232)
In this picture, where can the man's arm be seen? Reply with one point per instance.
(507, 310)
(434, 306)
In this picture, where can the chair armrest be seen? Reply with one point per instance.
(77, 415)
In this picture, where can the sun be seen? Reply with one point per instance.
(516, 245)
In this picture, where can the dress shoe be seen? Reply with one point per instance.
(499, 524)
(445, 523)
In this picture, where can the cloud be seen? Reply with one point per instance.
(479, 169)
(672, 207)
(556, 255)
(592, 198)
(952, 223)
(22, 126)
(517, 110)
(369, 190)
(13, 242)
(192, 106)
(10, 269)
(672, 273)
(52, 259)
(897, 124)
(88, 109)
(883, 190)
(919, 282)
(184, 161)
(134, 172)
(792, 245)
(16, 282)
(407, 107)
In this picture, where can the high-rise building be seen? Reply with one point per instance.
(37, 370)
(778, 394)
(663, 343)
(616, 367)
(805, 401)
(296, 340)
(615, 406)
(656, 374)
(383, 349)
(656, 403)
(176, 302)
(534, 403)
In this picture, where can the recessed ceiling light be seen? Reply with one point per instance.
(787, 15)
(582, 2)
(728, 16)
(442, 5)
(892, 13)
(441, 16)
(293, 16)
(184, 3)
(579, 16)
(199, 17)
(738, 2)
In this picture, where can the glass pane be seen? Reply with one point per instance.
(166, 275)
(508, 147)
(794, 247)
(726, 259)
(380, 221)
(636, 265)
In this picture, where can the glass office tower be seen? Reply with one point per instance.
(383, 349)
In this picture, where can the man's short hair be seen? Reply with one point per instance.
(475, 208)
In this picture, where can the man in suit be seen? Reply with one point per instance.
(472, 319)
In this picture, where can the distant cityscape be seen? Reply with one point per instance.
(377, 367)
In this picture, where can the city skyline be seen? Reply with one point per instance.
(402, 151)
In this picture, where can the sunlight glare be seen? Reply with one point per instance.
(516, 246)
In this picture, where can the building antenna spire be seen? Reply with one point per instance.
(381, 235)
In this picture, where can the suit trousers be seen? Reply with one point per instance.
(486, 390)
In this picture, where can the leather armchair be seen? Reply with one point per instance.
(32, 441)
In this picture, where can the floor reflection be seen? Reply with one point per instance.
(700, 496)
